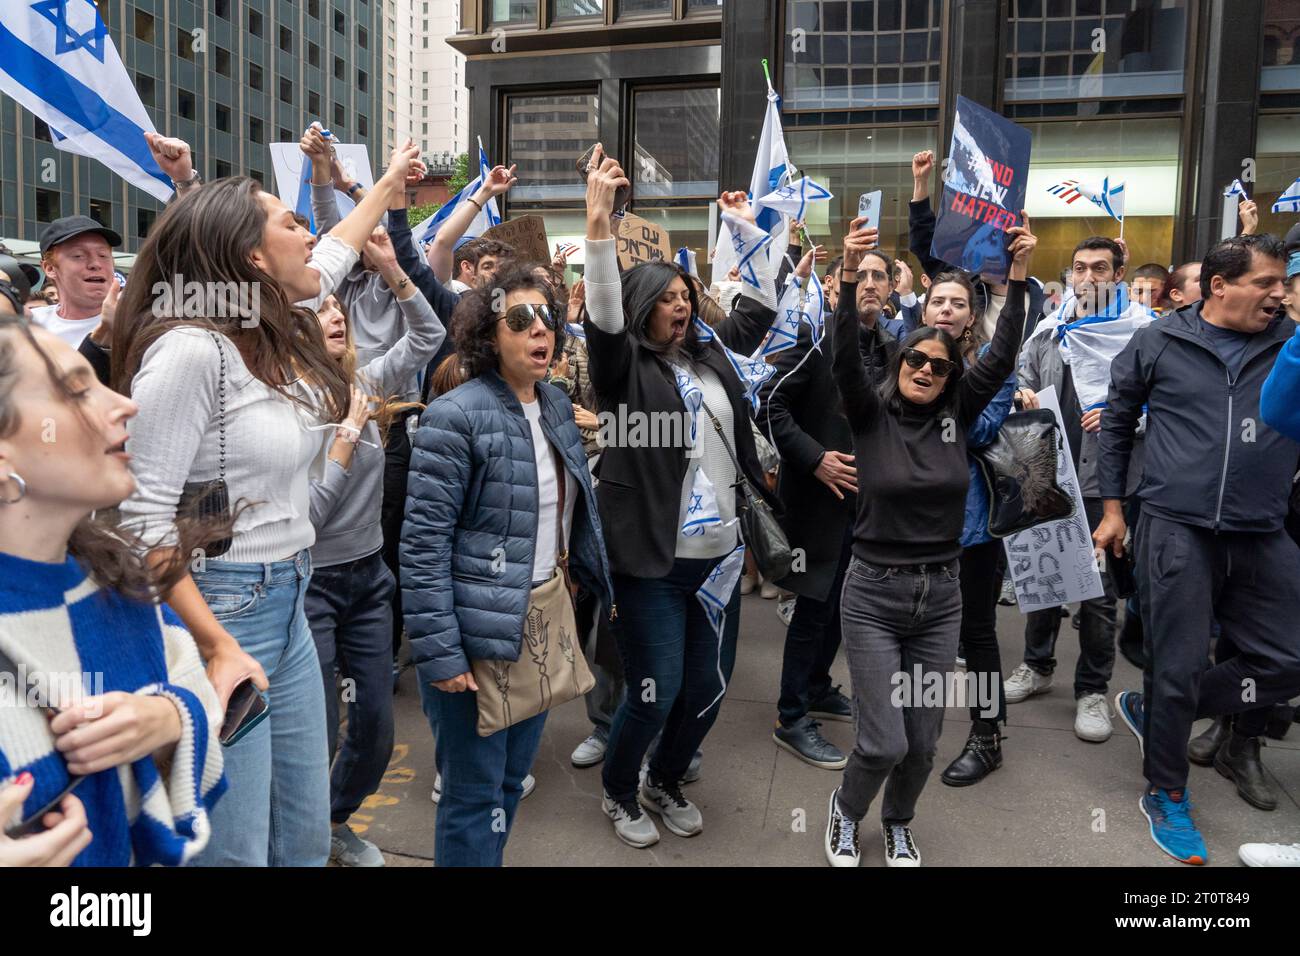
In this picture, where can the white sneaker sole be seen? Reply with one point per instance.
(654, 808)
(820, 764)
(585, 762)
(838, 862)
(1024, 697)
(628, 840)
(1097, 737)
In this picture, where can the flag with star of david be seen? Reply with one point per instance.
(793, 198)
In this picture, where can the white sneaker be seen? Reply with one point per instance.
(747, 584)
(1270, 854)
(841, 843)
(1024, 683)
(348, 849)
(632, 825)
(679, 815)
(1092, 718)
(530, 784)
(589, 753)
(900, 849)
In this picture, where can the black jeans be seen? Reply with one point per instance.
(1189, 578)
(348, 607)
(397, 461)
(981, 583)
(1096, 631)
(811, 643)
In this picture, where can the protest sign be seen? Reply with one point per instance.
(293, 175)
(640, 240)
(526, 235)
(983, 191)
(1054, 563)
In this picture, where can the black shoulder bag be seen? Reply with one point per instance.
(210, 500)
(1019, 469)
(758, 526)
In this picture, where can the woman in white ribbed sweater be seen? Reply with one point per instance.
(243, 398)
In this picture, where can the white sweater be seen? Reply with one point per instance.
(175, 439)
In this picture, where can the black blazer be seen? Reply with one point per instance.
(640, 489)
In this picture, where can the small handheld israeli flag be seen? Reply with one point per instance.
(1289, 201)
(714, 596)
(752, 370)
(58, 61)
(789, 313)
(1235, 189)
(1232, 197)
(793, 198)
(1109, 196)
(748, 243)
(686, 259)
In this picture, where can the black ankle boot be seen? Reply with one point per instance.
(981, 756)
(1202, 748)
(1238, 760)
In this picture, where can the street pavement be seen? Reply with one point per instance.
(1057, 801)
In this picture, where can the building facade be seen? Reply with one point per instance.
(1175, 97)
(228, 76)
(424, 93)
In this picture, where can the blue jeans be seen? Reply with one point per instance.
(675, 667)
(276, 811)
(482, 778)
(349, 608)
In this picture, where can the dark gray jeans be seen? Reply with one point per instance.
(894, 621)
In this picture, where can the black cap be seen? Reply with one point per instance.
(69, 227)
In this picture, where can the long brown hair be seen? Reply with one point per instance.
(390, 406)
(972, 339)
(110, 553)
(209, 237)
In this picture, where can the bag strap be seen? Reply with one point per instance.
(741, 481)
(561, 480)
(221, 409)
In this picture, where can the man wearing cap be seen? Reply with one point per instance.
(77, 254)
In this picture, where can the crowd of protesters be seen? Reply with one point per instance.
(253, 504)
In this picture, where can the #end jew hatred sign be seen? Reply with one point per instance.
(640, 240)
(983, 191)
(1054, 563)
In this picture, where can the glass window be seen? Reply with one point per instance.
(49, 205)
(221, 168)
(313, 54)
(628, 8)
(340, 68)
(1073, 49)
(363, 38)
(185, 104)
(145, 86)
(545, 136)
(570, 9)
(363, 81)
(184, 44)
(340, 22)
(512, 11)
(842, 54)
(286, 39)
(221, 117)
(222, 9)
(676, 142)
(1141, 153)
(254, 76)
(1281, 45)
(339, 116)
(1275, 169)
(254, 23)
(144, 220)
(286, 91)
(256, 130)
(363, 125)
(851, 162)
(144, 26)
(313, 104)
(703, 5)
(221, 57)
(101, 210)
(313, 8)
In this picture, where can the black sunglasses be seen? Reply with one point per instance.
(916, 359)
(520, 318)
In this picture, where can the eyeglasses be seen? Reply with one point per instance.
(916, 359)
(520, 318)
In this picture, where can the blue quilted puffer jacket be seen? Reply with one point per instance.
(471, 520)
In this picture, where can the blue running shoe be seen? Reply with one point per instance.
(1129, 706)
(1172, 828)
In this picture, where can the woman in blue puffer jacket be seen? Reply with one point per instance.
(483, 503)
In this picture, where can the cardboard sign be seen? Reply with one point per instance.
(983, 191)
(526, 235)
(1054, 563)
(640, 240)
(293, 175)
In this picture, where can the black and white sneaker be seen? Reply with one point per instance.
(841, 836)
(900, 849)
(631, 823)
(678, 814)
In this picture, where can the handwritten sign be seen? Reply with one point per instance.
(526, 235)
(640, 240)
(1053, 564)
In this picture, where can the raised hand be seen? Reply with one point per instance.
(605, 178)
(1023, 242)
(172, 156)
(804, 269)
(499, 181)
(858, 243)
(922, 164)
(737, 203)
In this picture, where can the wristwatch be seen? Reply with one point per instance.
(353, 189)
(196, 179)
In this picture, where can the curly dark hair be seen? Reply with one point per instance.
(474, 323)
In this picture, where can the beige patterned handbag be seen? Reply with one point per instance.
(551, 669)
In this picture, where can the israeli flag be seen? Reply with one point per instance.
(789, 313)
(58, 61)
(686, 259)
(749, 244)
(485, 220)
(792, 199)
(752, 371)
(1232, 197)
(1235, 189)
(772, 170)
(1289, 201)
(714, 596)
(1109, 196)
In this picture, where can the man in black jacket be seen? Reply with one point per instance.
(1210, 544)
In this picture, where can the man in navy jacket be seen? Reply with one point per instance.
(1210, 544)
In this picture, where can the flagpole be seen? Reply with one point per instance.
(1121, 227)
(767, 74)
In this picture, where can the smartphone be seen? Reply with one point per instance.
(869, 209)
(33, 823)
(621, 198)
(247, 709)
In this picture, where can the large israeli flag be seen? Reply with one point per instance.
(1289, 201)
(58, 61)
(485, 220)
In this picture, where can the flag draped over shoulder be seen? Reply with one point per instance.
(58, 61)
(489, 216)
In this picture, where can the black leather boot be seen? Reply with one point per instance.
(1202, 748)
(981, 756)
(1238, 760)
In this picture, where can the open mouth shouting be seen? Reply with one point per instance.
(540, 354)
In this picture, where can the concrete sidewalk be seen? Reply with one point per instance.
(1056, 801)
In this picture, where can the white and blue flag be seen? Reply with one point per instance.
(749, 244)
(792, 199)
(1106, 194)
(485, 220)
(1289, 201)
(1235, 189)
(714, 595)
(58, 61)
(686, 259)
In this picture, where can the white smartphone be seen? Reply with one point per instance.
(869, 209)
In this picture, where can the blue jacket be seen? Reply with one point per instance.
(1210, 461)
(1279, 403)
(471, 520)
(975, 527)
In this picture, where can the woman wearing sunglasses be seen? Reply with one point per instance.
(484, 512)
(901, 608)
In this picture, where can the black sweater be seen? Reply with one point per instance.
(912, 468)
